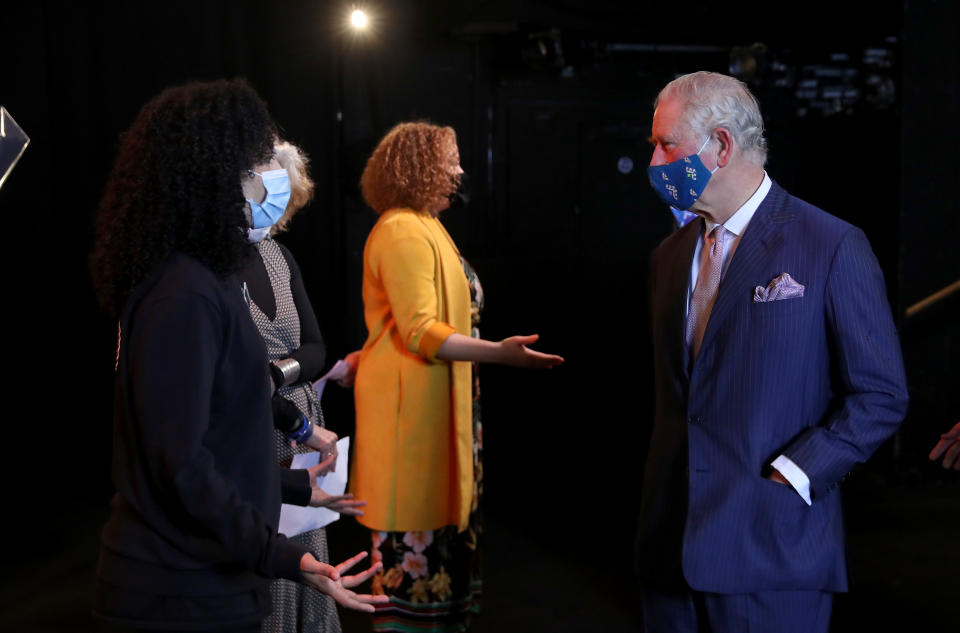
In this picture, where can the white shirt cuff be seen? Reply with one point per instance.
(797, 478)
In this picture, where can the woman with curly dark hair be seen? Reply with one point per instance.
(191, 540)
(418, 439)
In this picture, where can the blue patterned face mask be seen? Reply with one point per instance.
(681, 182)
(277, 183)
(683, 218)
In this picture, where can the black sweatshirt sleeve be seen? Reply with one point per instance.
(286, 415)
(295, 486)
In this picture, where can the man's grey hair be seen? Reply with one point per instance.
(712, 100)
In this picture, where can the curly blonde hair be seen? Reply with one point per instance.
(295, 162)
(410, 167)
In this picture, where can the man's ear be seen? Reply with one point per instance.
(725, 141)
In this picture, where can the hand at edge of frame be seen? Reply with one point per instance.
(948, 448)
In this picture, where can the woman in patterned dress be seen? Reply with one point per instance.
(418, 438)
(283, 315)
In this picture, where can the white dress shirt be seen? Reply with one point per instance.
(736, 225)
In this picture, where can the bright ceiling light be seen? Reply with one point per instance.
(358, 19)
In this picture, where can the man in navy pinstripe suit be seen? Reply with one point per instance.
(778, 369)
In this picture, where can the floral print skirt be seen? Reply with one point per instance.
(432, 578)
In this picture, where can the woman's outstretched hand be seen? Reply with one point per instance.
(356, 579)
(344, 504)
(331, 581)
(510, 351)
(516, 353)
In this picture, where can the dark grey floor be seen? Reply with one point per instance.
(569, 575)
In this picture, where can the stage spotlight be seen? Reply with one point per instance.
(358, 19)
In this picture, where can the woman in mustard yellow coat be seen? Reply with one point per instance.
(417, 437)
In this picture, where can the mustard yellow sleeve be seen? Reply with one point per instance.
(405, 262)
(433, 338)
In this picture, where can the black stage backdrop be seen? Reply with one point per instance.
(552, 106)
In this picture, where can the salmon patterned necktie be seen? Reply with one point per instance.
(708, 281)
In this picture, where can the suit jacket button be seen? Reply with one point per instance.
(694, 419)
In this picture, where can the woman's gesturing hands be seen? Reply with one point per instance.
(319, 498)
(517, 354)
(344, 504)
(331, 581)
(510, 351)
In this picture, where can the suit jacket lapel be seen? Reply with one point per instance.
(760, 241)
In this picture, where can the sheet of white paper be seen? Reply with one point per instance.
(297, 520)
(338, 371)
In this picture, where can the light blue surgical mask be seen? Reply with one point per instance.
(277, 183)
(258, 235)
(681, 182)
